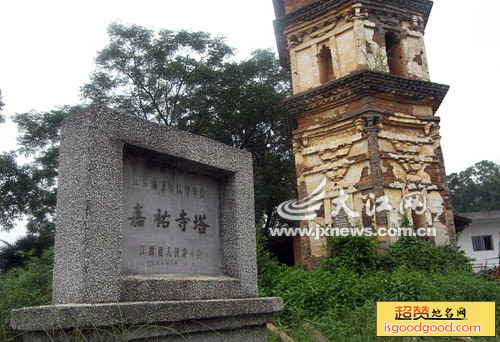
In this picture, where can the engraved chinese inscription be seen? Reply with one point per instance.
(170, 221)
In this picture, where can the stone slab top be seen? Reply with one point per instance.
(71, 316)
(117, 175)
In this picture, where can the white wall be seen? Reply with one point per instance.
(482, 224)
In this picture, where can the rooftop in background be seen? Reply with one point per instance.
(484, 216)
(464, 220)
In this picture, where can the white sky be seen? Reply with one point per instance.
(48, 49)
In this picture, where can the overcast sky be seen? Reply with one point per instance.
(48, 49)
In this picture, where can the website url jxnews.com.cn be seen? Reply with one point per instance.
(320, 232)
(434, 328)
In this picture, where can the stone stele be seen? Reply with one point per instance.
(155, 238)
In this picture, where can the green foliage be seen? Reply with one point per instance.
(310, 294)
(269, 268)
(39, 140)
(416, 254)
(477, 188)
(404, 221)
(1, 107)
(30, 189)
(23, 250)
(340, 297)
(154, 75)
(40, 130)
(354, 253)
(28, 286)
(341, 303)
(16, 190)
(182, 79)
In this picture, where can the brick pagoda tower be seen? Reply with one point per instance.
(363, 113)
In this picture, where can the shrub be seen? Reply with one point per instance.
(416, 254)
(269, 268)
(341, 304)
(28, 286)
(356, 253)
(340, 297)
(18, 254)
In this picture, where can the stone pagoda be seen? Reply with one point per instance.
(362, 115)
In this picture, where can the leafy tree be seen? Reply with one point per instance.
(156, 75)
(18, 254)
(30, 190)
(182, 79)
(39, 140)
(1, 107)
(477, 188)
(15, 190)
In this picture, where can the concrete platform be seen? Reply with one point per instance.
(203, 320)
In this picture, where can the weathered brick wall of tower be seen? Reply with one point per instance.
(363, 111)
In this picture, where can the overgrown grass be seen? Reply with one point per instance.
(340, 298)
(24, 286)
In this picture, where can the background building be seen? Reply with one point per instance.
(480, 240)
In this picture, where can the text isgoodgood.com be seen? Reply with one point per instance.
(425, 329)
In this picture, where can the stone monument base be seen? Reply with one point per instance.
(231, 320)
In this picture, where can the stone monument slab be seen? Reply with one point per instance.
(171, 220)
(155, 226)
